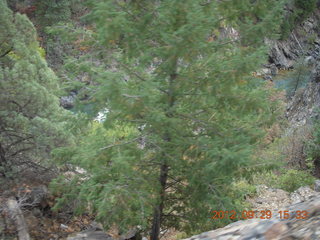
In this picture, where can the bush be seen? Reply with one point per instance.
(293, 179)
(295, 147)
(242, 188)
(306, 7)
(288, 180)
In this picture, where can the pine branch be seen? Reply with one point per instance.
(21, 151)
(130, 96)
(6, 53)
(19, 141)
(206, 124)
(121, 144)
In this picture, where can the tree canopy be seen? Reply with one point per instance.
(185, 111)
(31, 120)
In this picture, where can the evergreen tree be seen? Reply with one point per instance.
(184, 80)
(31, 120)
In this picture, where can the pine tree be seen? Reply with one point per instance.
(31, 120)
(185, 112)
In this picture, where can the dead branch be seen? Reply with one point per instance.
(18, 217)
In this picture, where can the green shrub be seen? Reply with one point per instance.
(243, 188)
(239, 190)
(181, 235)
(306, 7)
(288, 180)
(268, 178)
(293, 179)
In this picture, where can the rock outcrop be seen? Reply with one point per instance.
(305, 104)
(303, 45)
(68, 102)
(303, 41)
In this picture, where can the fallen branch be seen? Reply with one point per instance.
(18, 217)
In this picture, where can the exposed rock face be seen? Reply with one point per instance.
(281, 54)
(274, 228)
(305, 103)
(303, 41)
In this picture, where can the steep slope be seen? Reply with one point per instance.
(297, 226)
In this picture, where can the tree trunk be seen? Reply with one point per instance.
(297, 83)
(158, 210)
(17, 215)
(157, 215)
(3, 162)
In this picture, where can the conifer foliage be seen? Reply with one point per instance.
(31, 120)
(185, 112)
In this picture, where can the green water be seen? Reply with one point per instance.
(293, 80)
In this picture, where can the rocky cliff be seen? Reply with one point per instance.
(303, 45)
(304, 41)
(306, 103)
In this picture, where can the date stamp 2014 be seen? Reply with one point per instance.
(261, 214)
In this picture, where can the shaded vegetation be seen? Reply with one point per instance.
(32, 122)
(301, 9)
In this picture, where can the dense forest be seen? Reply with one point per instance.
(141, 117)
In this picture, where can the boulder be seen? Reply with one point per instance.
(68, 102)
(317, 185)
(301, 194)
(90, 235)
